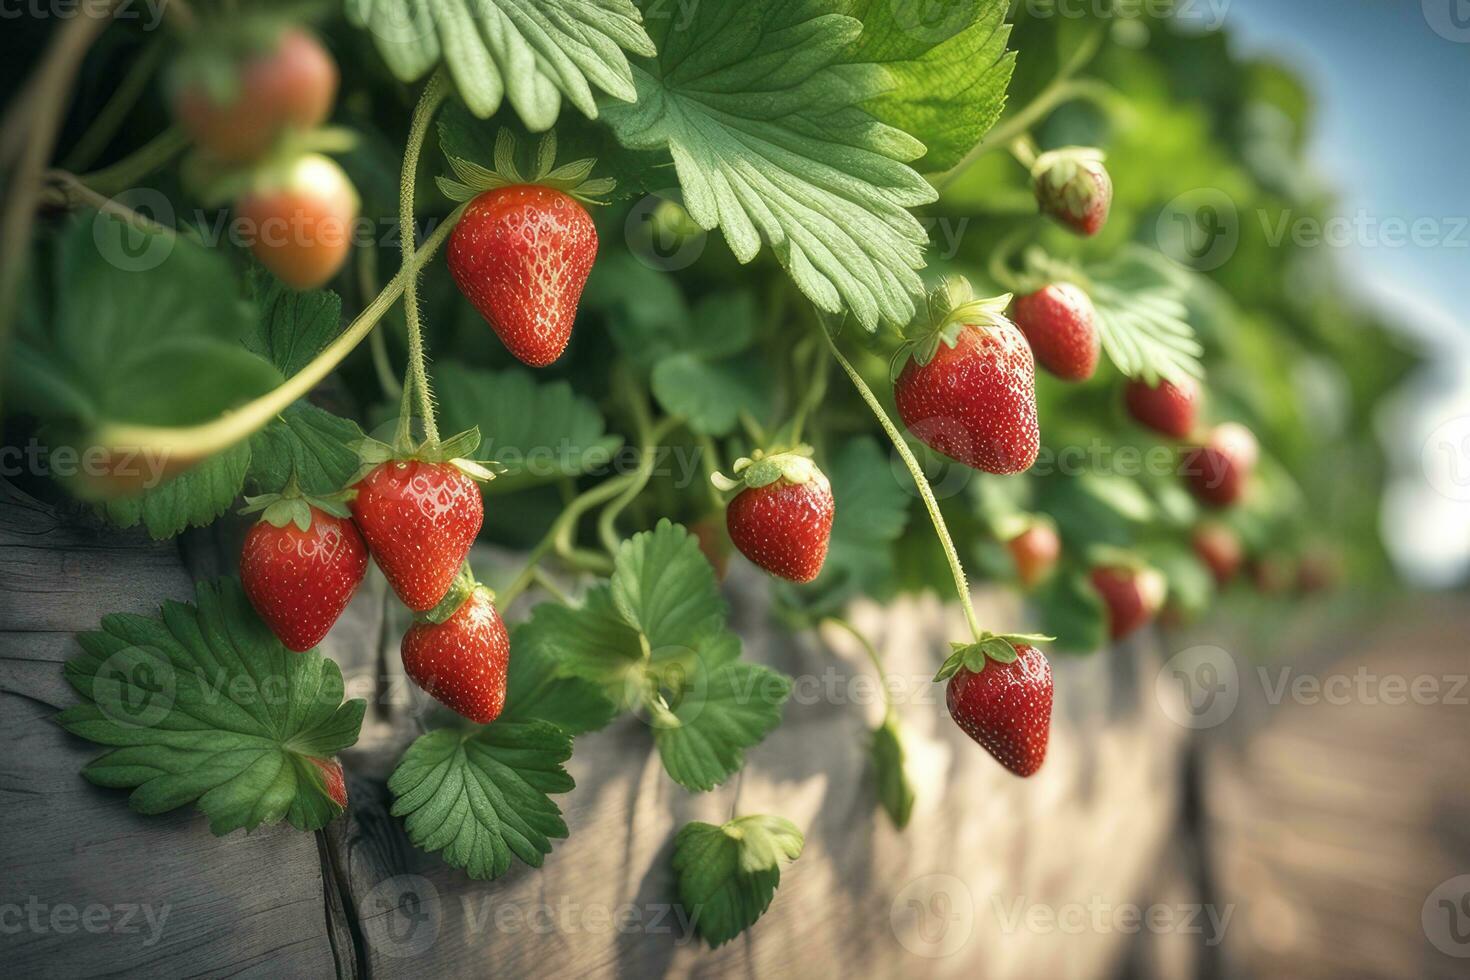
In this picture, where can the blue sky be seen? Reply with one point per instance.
(1392, 135)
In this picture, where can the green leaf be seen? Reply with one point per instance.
(770, 142)
(895, 792)
(540, 431)
(481, 797)
(665, 588)
(535, 691)
(950, 70)
(646, 312)
(194, 498)
(1142, 318)
(293, 326)
(718, 713)
(592, 642)
(531, 53)
(141, 328)
(1069, 609)
(312, 443)
(727, 875)
(206, 706)
(708, 378)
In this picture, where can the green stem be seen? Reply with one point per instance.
(435, 92)
(197, 441)
(1060, 90)
(873, 655)
(1024, 149)
(649, 443)
(367, 283)
(561, 528)
(962, 587)
(709, 462)
(542, 579)
(105, 126)
(139, 164)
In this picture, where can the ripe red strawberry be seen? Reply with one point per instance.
(1005, 706)
(300, 566)
(1217, 471)
(524, 247)
(969, 387)
(1168, 408)
(462, 662)
(1218, 546)
(298, 221)
(419, 519)
(284, 82)
(1133, 596)
(782, 518)
(1061, 324)
(336, 780)
(1035, 551)
(1073, 187)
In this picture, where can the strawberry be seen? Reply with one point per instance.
(301, 563)
(968, 389)
(1073, 188)
(1061, 324)
(1133, 595)
(782, 517)
(1218, 546)
(299, 219)
(336, 780)
(1273, 574)
(462, 662)
(1035, 551)
(236, 98)
(1217, 471)
(419, 518)
(1168, 407)
(1000, 694)
(523, 249)
(1318, 569)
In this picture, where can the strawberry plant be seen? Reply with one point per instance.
(704, 249)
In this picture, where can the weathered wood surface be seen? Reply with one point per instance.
(972, 888)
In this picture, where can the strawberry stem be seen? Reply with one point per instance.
(962, 587)
(873, 655)
(416, 377)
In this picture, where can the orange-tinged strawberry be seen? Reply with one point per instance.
(1217, 471)
(1060, 322)
(335, 778)
(1133, 596)
(1169, 407)
(299, 221)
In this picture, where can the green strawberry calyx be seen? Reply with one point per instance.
(761, 469)
(1000, 647)
(573, 178)
(952, 309)
(1067, 177)
(463, 586)
(456, 451)
(292, 506)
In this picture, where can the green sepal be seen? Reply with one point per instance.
(1000, 647)
(1058, 176)
(569, 178)
(952, 308)
(460, 590)
(760, 469)
(455, 451)
(291, 506)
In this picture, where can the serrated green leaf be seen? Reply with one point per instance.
(1142, 318)
(206, 706)
(711, 395)
(727, 875)
(536, 692)
(665, 588)
(539, 431)
(194, 498)
(720, 712)
(312, 443)
(531, 53)
(142, 328)
(292, 326)
(950, 70)
(479, 798)
(592, 642)
(765, 124)
(895, 792)
(646, 312)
